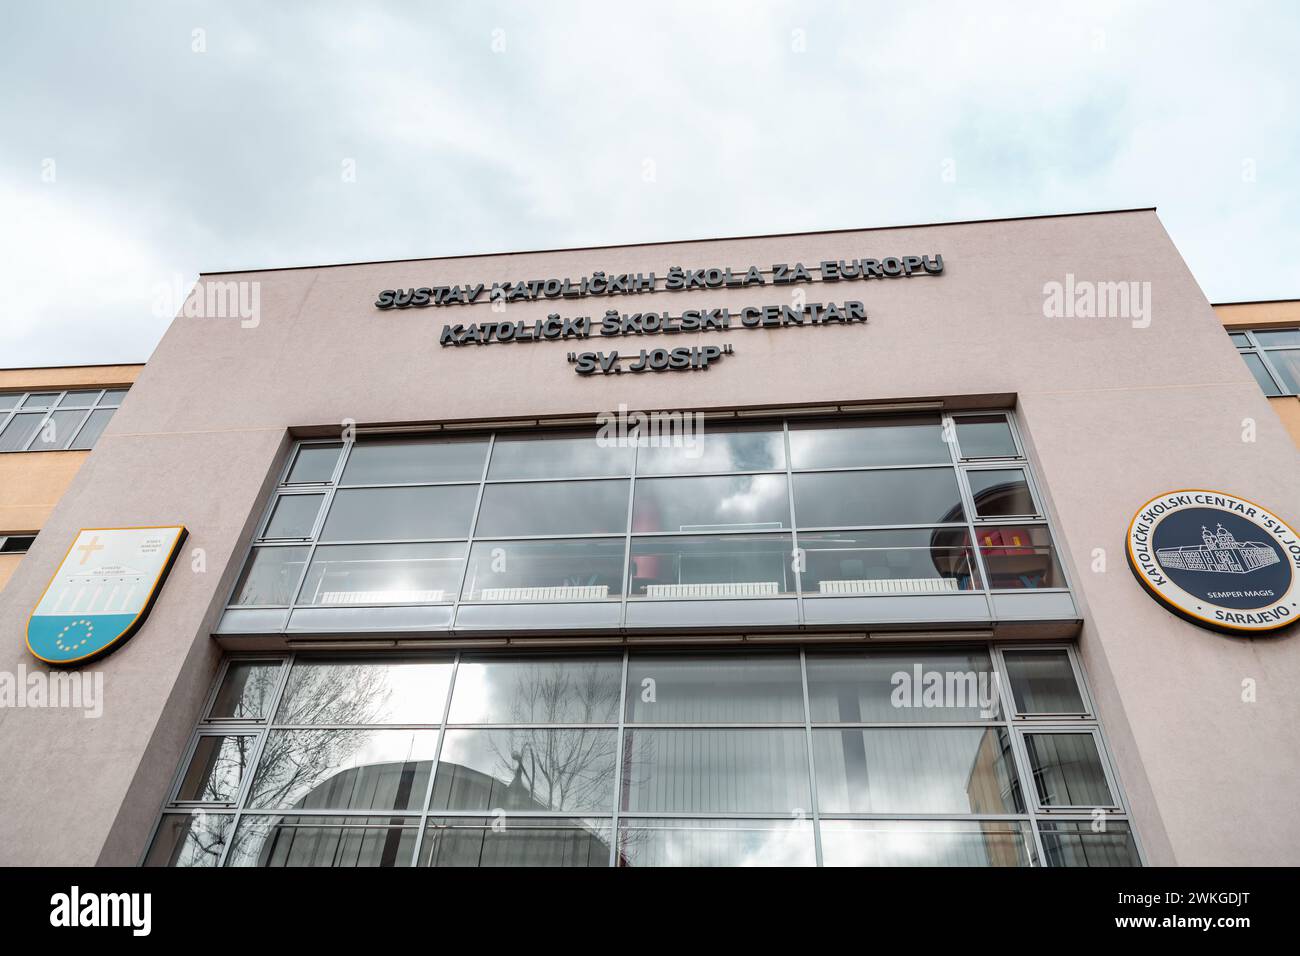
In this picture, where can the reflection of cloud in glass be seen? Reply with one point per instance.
(683, 842)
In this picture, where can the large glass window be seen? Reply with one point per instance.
(383, 574)
(858, 756)
(868, 508)
(395, 514)
(1273, 356)
(550, 569)
(849, 499)
(55, 421)
(556, 507)
(907, 441)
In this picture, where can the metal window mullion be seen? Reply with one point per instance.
(1267, 361)
(80, 428)
(246, 786)
(815, 810)
(437, 761)
(473, 528)
(618, 763)
(1019, 757)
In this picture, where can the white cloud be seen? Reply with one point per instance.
(173, 161)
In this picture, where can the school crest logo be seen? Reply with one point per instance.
(1218, 560)
(101, 592)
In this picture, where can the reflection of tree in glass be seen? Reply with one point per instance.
(296, 763)
(204, 841)
(558, 769)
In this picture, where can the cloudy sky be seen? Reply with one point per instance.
(145, 142)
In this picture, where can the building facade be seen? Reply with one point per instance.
(50, 418)
(826, 566)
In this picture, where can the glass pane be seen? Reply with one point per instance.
(683, 842)
(217, 768)
(20, 430)
(293, 516)
(760, 448)
(1262, 376)
(563, 569)
(82, 398)
(527, 770)
(1019, 558)
(383, 574)
(57, 430)
(246, 690)
(113, 396)
(324, 841)
(515, 841)
(1067, 770)
(40, 400)
(386, 514)
(365, 692)
(714, 689)
(985, 436)
(902, 686)
(537, 690)
(1277, 337)
(1071, 843)
(916, 770)
(1240, 339)
(720, 566)
(853, 498)
(917, 561)
(9, 400)
(190, 840)
(93, 428)
(737, 503)
(559, 456)
(314, 463)
(271, 576)
(716, 771)
(563, 507)
(1042, 682)
(414, 461)
(925, 843)
(344, 769)
(1287, 365)
(899, 441)
(1001, 492)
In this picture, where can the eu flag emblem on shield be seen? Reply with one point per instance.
(101, 592)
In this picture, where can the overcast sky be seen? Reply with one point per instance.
(142, 143)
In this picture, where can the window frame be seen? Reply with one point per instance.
(782, 425)
(99, 402)
(1257, 348)
(1007, 721)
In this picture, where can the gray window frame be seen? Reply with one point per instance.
(1263, 352)
(98, 402)
(1008, 721)
(956, 465)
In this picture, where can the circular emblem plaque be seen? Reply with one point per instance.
(1218, 560)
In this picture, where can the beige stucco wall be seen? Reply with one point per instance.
(1115, 415)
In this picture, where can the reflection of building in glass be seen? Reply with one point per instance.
(1220, 552)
